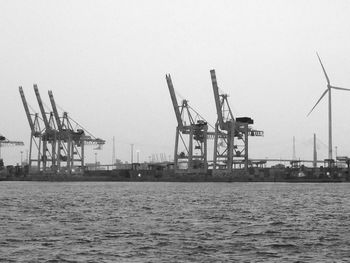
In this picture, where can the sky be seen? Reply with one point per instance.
(105, 62)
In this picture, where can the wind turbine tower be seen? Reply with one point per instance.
(328, 89)
(315, 152)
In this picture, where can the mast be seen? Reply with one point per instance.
(330, 145)
(315, 152)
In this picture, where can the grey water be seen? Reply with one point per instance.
(174, 222)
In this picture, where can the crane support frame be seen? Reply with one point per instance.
(191, 137)
(35, 141)
(231, 134)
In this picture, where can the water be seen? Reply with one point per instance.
(174, 222)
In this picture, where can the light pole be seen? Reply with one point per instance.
(138, 156)
(95, 161)
(336, 154)
(132, 153)
(21, 158)
(113, 153)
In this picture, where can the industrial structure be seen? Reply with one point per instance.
(328, 89)
(230, 135)
(191, 136)
(55, 145)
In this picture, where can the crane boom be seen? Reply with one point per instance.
(26, 108)
(174, 101)
(55, 112)
(8, 142)
(217, 99)
(41, 106)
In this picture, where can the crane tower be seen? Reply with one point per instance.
(35, 134)
(190, 152)
(231, 134)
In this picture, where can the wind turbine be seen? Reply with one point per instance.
(329, 88)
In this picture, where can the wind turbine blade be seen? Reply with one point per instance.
(339, 88)
(324, 71)
(324, 93)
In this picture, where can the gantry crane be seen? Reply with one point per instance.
(59, 135)
(76, 139)
(48, 136)
(231, 134)
(190, 124)
(35, 134)
(60, 146)
(70, 146)
(71, 142)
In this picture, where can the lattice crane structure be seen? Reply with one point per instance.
(48, 135)
(231, 134)
(191, 137)
(59, 146)
(36, 131)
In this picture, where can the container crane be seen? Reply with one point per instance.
(49, 135)
(60, 147)
(71, 142)
(64, 140)
(35, 134)
(194, 153)
(228, 130)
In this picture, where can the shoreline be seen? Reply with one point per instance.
(268, 175)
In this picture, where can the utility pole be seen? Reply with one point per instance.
(336, 154)
(138, 156)
(294, 156)
(315, 152)
(113, 154)
(132, 153)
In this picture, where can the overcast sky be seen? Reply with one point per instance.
(106, 61)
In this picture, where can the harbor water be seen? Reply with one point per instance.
(174, 222)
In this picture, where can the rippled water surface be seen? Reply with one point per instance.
(174, 222)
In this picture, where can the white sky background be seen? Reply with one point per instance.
(106, 61)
